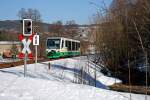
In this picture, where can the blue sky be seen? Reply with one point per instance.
(53, 10)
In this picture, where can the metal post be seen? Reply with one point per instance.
(95, 75)
(35, 58)
(146, 83)
(35, 55)
(25, 64)
(82, 75)
(49, 65)
(129, 79)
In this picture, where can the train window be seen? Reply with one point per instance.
(73, 45)
(62, 45)
(69, 45)
(66, 43)
(53, 43)
(78, 46)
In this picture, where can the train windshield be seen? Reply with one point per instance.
(53, 43)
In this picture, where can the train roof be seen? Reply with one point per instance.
(63, 38)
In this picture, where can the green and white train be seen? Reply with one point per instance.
(57, 47)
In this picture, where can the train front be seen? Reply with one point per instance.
(53, 48)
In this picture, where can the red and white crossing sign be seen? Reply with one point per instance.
(26, 48)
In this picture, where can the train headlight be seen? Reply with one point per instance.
(51, 53)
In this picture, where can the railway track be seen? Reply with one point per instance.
(14, 64)
(21, 62)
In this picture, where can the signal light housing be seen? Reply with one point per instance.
(27, 27)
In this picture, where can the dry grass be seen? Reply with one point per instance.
(134, 89)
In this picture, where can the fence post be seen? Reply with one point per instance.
(49, 65)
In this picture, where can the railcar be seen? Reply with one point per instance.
(57, 47)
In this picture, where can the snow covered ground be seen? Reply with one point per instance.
(57, 83)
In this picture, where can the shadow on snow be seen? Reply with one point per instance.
(86, 76)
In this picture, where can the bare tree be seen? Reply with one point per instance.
(22, 13)
(56, 28)
(30, 13)
(117, 40)
(71, 28)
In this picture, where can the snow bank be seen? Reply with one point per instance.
(77, 63)
(39, 89)
(56, 83)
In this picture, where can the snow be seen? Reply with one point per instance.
(77, 63)
(56, 83)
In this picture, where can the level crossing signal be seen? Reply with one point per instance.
(26, 46)
(27, 27)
